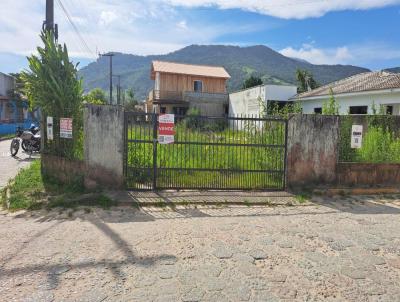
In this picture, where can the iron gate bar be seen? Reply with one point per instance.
(197, 151)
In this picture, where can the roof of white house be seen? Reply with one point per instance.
(363, 82)
(190, 69)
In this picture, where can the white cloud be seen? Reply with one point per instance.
(308, 52)
(107, 17)
(288, 9)
(131, 26)
(360, 55)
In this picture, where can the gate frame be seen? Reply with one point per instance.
(154, 142)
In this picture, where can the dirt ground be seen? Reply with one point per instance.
(333, 249)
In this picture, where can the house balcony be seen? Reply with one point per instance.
(184, 97)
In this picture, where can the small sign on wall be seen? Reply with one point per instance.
(356, 136)
(66, 127)
(166, 131)
(50, 135)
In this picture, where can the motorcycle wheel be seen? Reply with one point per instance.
(14, 147)
(23, 146)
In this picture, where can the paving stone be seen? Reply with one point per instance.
(258, 254)
(263, 296)
(167, 272)
(286, 293)
(193, 295)
(285, 244)
(354, 273)
(145, 280)
(239, 292)
(40, 297)
(222, 252)
(214, 284)
(243, 258)
(215, 297)
(394, 263)
(247, 268)
(276, 277)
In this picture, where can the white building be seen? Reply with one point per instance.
(252, 101)
(356, 94)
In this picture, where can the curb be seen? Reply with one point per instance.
(357, 191)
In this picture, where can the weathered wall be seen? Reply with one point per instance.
(104, 145)
(64, 170)
(208, 103)
(365, 174)
(312, 150)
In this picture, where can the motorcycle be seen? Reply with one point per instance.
(28, 139)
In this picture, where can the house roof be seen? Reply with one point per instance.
(190, 69)
(363, 82)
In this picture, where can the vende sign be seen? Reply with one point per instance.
(166, 131)
(66, 127)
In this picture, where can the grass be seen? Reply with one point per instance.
(7, 136)
(30, 190)
(188, 162)
(303, 197)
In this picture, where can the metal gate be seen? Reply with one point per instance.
(219, 153)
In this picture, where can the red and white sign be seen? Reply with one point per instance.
(166, 131)
(66, 127)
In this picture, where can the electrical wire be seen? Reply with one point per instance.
(75, 28)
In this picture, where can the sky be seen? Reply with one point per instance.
(357, 32)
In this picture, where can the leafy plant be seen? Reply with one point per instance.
(330, 107)
(252, 81)
(96, 96)
(305, 81)
(51, 83)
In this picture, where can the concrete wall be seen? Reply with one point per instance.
(312, 150)
(365, 99)
(104, 145)
(365, 174)
(249, 101)
(280, 92)
(6, 83)
(209, 104)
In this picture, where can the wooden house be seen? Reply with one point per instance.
(178, 87)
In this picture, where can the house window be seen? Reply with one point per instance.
(179, 110)
(318, 110)
(197, 86)
(163, 110)
(358, 109)
(389, 110)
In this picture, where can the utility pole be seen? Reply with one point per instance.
(118, 89)
(48, 24)
(110, 55)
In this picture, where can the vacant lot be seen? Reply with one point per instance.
(330, 250)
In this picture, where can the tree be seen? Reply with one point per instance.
(96, 96)
(330, 107)
(252, 82)
(305, 81)
(51, 83)
(131, 101)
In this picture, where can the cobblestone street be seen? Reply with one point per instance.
(331, 249)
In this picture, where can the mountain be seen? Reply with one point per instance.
(395, 69)
(240, 62)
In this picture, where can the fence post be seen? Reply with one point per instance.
(155, 151)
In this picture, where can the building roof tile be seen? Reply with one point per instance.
(363, 82)
(190, 69)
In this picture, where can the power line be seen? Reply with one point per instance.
(92, 39)
(75, 28)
